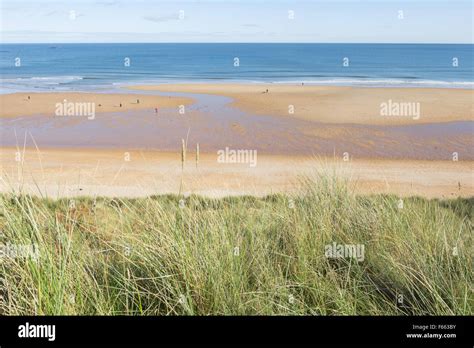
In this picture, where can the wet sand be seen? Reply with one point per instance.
(214, 125)
(18, 104)
(337, 104)
(134, 131)
(79, 172)
(70, 156)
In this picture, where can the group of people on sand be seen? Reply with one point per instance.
(138, 102)
(120, 105)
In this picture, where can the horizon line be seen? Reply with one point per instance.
(242, 42)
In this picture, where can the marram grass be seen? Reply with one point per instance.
(238, 256)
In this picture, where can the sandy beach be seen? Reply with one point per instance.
(18, 104)
(314, 103)
(337, 104)
(396, 155)
(78, 172)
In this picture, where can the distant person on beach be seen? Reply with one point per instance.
(120, 104)
(28, 97)
(156, 110)
(138, 101)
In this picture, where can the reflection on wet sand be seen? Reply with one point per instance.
(137, 152)
(214, 125)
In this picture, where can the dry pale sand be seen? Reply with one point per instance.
(337, 104)
(63, 173)
(18, 104)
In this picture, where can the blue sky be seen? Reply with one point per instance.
(424, 21)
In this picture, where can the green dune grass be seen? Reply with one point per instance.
(237, 256)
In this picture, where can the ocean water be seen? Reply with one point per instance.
(86, 67)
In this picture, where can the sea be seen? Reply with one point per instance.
(105, 67)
